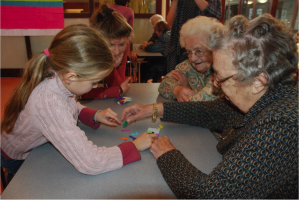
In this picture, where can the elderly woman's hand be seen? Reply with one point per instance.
(182, 94)
(136, 112)
(161, 146)
(180, 78)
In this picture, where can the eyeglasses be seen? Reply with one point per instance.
(197, 52)
(218, 83)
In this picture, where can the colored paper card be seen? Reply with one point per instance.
(155, 130)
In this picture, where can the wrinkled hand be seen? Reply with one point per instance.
(143, 45)
(144, 141)
(125, 86)
(182, 94)
(108, 117)
(161, 146)
(117, 60)
(136, 112)
(180, 78)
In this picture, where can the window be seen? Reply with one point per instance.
(285, 12)
(77, 8)
(231, 9)
(84, 8)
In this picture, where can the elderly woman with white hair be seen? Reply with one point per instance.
(192, 79)
(254, 63)
(153, 20)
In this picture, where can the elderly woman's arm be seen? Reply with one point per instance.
(207, 93)
(167, 86)
(251, 169)
(211, 114)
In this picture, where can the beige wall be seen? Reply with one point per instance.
(13, 52)
(13, 48)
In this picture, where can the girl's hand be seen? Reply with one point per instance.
(144, 141)
(125, 86)
(136, 112)
(132, 55)
(108, 117)
(161, 146)
(117, 60)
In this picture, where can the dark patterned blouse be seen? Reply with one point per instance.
(259, 148)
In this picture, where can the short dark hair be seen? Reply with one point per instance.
(122, 2)
(161, 26)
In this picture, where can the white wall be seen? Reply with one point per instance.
(13, 48)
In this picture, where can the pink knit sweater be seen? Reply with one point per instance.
(51, 115)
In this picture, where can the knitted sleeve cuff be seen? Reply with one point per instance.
(129, 152)
(86, 116)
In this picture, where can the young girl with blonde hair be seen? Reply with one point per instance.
(44, 109)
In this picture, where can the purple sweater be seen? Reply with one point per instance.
(50, 115)
(127, 12)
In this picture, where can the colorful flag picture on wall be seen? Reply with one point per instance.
(34, 16)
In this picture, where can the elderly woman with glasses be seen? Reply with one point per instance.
(192, 79)
(255, 63)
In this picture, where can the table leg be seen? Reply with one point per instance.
(139, 63)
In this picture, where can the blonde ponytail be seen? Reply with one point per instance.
(77, 48)
(33, 74)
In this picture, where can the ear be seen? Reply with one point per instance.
(69, 77)
(259, 83)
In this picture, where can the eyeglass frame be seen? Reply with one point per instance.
(197, 51)
(218, 83)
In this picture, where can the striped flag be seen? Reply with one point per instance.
(32, 14)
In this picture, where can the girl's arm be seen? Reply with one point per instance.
(118, 74)
(57, 123)
(102, 93)
(113, 80)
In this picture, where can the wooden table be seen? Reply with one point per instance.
(47, 174)
(134, 70)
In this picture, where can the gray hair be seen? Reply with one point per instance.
(199, 25)
(156, 18)
(262, 45)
